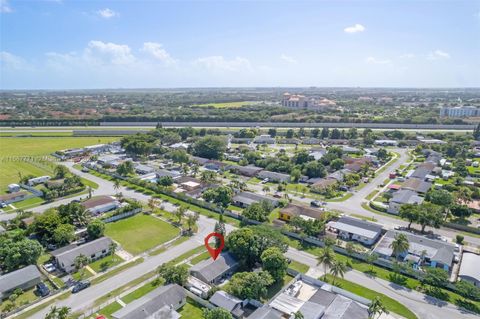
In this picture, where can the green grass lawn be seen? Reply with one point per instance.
(142, 291)
(110, 309)
(28, 203)
(391, 304)
(199, 258)
(25, 298)
(191, 310)
(140, 233)
(105, 263)
(117, 271)
(295, 265)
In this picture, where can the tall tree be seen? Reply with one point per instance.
(399, 245)
(376, 308)
(337, 269)
(80, 262)
(275, 263)
(327, 258)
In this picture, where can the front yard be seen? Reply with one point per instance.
(140, 232)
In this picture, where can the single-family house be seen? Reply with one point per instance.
(100, 204)
(274, 176)
(144, 169)
(228, 302)
(264, 139)
(214, 165)
(13, 197)
(23, 278)
(401, 197)
(349, 228)
(421, 250)
(305, 212)
(323, 183)
(311, 141)
(386, 142)
(469, 270)
(171, 173)
(199, 160)
(161, 303)
(417, 185)
(213, 271)
(248, 171)
(93, 250)
(245, 199)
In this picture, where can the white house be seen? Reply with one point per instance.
(38, 180)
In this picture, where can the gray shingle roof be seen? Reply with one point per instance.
(266, 312)
(170, 295)
(224, 300)
(406, 196)
(357, 226)
(18, 277)
(209, 270)
(249, 198)
(67, 257)
(469, 266)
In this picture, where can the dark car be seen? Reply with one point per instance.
(80, 286)
(315, 203)
(42, 289)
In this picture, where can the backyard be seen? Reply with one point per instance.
(140, 232)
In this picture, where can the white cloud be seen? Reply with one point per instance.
(107, 13)
(109, 52)
(158, 52)
(288, 59)
(373, 60)
(438, 54)
(219, 63)
(407, 56)
(5, 7)
(11, 61)
(355, 28)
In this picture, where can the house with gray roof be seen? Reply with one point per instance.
(24, 278)
(248, 170)
(314, 299)
(213, 271)
(144, 169)
(245, 199)
(228, 302)
(274, 176)
(401, 197)
(469, 270)
(159, 303)
(417, 185)
(435, 253)
(349, 228)
(93, 250)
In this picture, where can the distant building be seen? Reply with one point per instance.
(296, 101)
(23, 278)
(212, 271)
(460, 111)
(264, 139)
(96, 249)
(274, 176)
(12, 188)
(38, 180)
(160, 303)
(249, 170)
(245, 199)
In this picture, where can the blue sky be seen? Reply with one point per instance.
(48, 44)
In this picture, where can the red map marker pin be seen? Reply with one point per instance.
(214, 252)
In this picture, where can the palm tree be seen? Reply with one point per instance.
(399, 245)
(338, 268)
(376, 307)
(327, 258)
(112, 248)
(152, 203)
(80, 262)
(80, 216)
(58, 313)
(116, 185)
(297, 315)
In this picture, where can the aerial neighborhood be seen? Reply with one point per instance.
(305, 213)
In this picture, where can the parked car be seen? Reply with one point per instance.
(315, 203)
(42, 289)
(85, 170)
(3, 205)
(49, 267)
(80, 286)
(264, 181)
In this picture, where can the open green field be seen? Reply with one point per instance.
(105, 263)
(31, 148)
(227, 104)
(140, 233)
